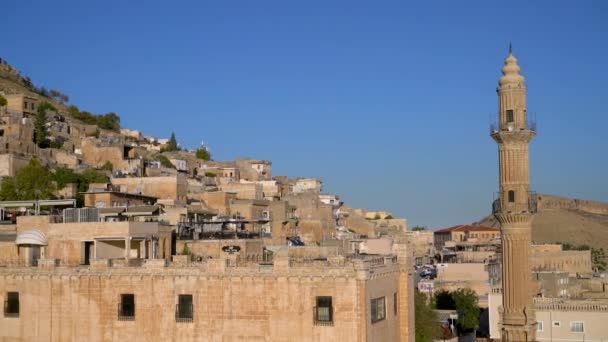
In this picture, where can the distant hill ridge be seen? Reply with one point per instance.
(562, 219)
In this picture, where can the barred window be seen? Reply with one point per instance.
(577, 326)
(378, 308)
(184, 311)
(324, 311)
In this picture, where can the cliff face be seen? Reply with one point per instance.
(562, 219)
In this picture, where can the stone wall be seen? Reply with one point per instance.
(173, 188)
(274, 303)
(11, 163)
(555, 202)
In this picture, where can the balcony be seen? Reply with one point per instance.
(532, 206)
(495, 126)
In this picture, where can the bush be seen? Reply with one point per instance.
(164, 161)
(3, 101)
(63, 176)
(210, 174)
(109, 121)
(108, 166)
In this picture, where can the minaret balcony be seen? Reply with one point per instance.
(496, 127)
(500, 206)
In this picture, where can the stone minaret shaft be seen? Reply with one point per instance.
(513, 209)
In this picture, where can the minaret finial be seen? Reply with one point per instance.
(510, 49)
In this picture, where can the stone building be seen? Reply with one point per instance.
(22, 103)
(84, 284)
(109, 197)
(559, 319)
(168, 189)
(358, 300)
(461, 233)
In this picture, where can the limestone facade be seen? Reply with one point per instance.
(270, 303)
(513, 208)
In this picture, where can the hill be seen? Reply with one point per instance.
(566, 220)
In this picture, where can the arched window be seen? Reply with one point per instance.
(511, 196)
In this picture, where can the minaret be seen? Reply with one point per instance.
(514, 208)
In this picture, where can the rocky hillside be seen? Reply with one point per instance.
(13, 82)
(561, 219)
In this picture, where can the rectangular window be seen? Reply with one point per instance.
(395, 303)
(126, 307)
(324, 311)
(183, 311)
(509, 115)
(11, 304)
(378, 307)
(539, 326)
(577, 326)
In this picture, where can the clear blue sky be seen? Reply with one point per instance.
(387, 102)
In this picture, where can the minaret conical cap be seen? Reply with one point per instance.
(510, 72)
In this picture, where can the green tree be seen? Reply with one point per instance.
(465, 302)
(63, 176)
(427, 327)
(33, 182)
(203, 153)
(3, 101)
(418, 228)
(468, 310)
(41, 132)
(172, 144)
(444, 300)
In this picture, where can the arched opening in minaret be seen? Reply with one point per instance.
(511, 196)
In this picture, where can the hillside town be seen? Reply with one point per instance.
(149, 230)
(105, 230)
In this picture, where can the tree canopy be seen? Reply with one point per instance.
(33, 182)
(3, 101)
(465, 302)
(41, 132)
(427, 327)
(171, 145)
(203, 153)
(109, 121)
